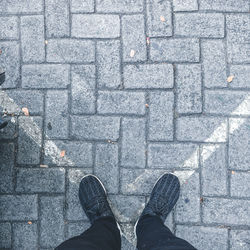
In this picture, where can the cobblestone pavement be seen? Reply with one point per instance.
(127, 90)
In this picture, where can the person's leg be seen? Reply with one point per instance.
(103, 233)
(151, 232)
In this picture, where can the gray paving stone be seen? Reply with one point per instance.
(159, 18)
(138, 181)
(18, 207)
(9, 60)
(240, 184)
(29, 140)
(161, 116)
(214, 63)
(121, 102)
(174, 50)
(119, 6)
(207, 129)
(32, 38)
(6, 167)
(148, 76)
(169, 222)
(76, 153)
(18, 7)
(52, 222)
(238, 38)
(133, 142)
(95, 26)
(56, 119)
(206, 25)
(174, 155)
(239, 239)
(25, 236)
(203, 237)
(78, 6)
(239, 143)
(74, 210)
(241, 75)
(108, 64)
(95, 127)
(188, 205)
(5, 235)
(127, 208)
(226, 211)
(188, 80)
(57, 18)
(213, 170)
(12, 101)
(227, 102)
(9, 27)
(106, 166)
(133, 38)
(126, 245)
(45, 76)
(185, 5)
(40, 180)
(70, 50)
(9, 132)
(76, 228)
(225, 5)
(83, 89)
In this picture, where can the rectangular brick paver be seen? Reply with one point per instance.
(188, 80)
(148, 76)
(240, 184)
(225, 5)
(207, 129)
(17, 6)
(32, 38)
(174, 50)
(185, 5)
(57, 18)
(9, 28)
(40, 180)
(95, 127)
(70, 50)
(159, 18)
(45, 76)
(161, 116)
(95, 26)
(121, 102)
(199, 25)
(52, 222)
(133, 142)
(119, 6)
(226, 211)
(18, 207)
(196, 235)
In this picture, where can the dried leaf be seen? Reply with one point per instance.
(233, 172)
(148, 40)
(147, 106)
(230, 78)
(44, 166)
(132, 53)
(62, 154)
(162, 18)
(29, 222)
(25, 111)
(1, 51)
(46, 42)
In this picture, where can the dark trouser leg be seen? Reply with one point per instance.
(152, 234)
(103, 234)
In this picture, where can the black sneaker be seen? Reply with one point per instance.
(163, 197)
(93, 198)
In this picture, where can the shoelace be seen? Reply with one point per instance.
(98, 206)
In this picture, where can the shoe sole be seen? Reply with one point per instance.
(106, 195)
(145, 204)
